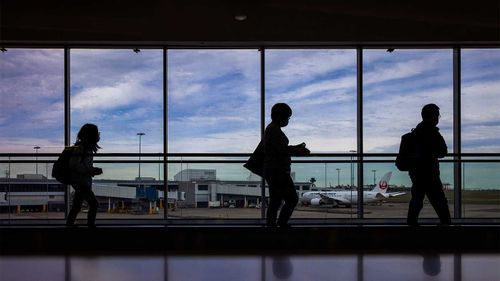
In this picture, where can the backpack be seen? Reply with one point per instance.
(255, 163)
(408, 152)
(61, 171)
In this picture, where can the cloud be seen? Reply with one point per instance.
(311, 91)
(215, 94)
(287, 68)
(115, 96)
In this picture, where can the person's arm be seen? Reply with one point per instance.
(439, 147)
(298, 150)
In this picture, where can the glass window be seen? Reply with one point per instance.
(396, 85)
(480, 131)
(480, 100)
(213, 100)
(202, 187)
(32, 102)
(320, 87)
(31, 121)
(121, 91)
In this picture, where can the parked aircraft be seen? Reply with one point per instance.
(350, 197)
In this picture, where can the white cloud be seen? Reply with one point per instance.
(314, 89)
(287, 67)
(481, 101)
(112, 97)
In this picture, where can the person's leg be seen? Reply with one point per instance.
(75, 208)
(93, 204)
(438, 200)
(291, 200)
(275, 199)
(416, 201)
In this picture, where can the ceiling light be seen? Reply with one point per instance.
(240, 17)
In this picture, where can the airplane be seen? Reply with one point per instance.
(348, 198)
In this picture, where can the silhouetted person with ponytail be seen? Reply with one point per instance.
(82, 171)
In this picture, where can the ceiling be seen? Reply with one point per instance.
(268, 23)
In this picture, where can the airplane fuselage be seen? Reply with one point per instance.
(340, 197)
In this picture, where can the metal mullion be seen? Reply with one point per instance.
(457, 127)
(67, 116)
(165, 135)
(262, 124)
(359, 125)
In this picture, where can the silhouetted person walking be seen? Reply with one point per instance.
(277, 162)
(82, 171)
(424, 174)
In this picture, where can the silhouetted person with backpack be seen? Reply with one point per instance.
(424, 173)
(82, 171)
(277, 162)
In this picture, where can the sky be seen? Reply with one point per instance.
(214, 102)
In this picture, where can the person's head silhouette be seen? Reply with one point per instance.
(88, 136)
(280, 113)
(430, 113)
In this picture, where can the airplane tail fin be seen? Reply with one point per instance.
(383, 184)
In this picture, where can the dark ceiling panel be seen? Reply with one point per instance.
(210, 21)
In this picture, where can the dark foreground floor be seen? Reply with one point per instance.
(248, 240)
(250, 253)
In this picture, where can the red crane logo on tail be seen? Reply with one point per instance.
(383, 184)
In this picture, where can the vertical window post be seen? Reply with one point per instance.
(359, 124)
(457, 127)
(67, 117)
(165, 135)
(262, 123)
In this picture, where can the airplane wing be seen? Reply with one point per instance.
(394, 194)
(390, 194)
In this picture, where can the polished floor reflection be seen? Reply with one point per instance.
(428, 266)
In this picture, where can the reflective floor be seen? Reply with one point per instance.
(385, 267)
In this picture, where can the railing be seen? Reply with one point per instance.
(229, 197)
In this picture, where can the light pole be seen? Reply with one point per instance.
(140, 139)
(352, 168)
(338, 177)
(374, 176)
(36, 148)
(325, 174)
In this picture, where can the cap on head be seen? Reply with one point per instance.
(280, 111)
(430, 110)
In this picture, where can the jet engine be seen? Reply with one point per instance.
(316, 202)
